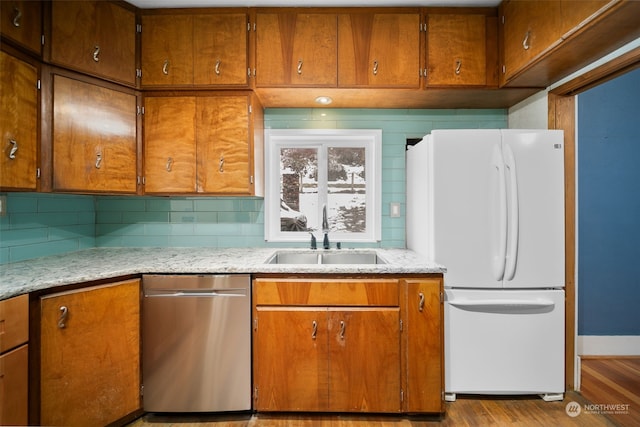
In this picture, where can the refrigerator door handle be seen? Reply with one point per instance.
(502, 305)
(512, 254)
(499, 258)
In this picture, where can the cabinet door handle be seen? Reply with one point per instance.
(96, 53)
(169, 164)
(98, 159)
(165, 67)
(314, 330)
(343, 326)
(14, 148)
(221, 165)
(17, 17)
(218, 62)
(458, 66)
(299, 66)
(64, 312)
(420, 301)
(525, 42)
(375, 68)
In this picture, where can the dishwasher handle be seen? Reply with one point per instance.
(232, 292)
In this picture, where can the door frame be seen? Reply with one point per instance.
(562, 115)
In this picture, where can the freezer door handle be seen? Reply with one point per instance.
(512, 254)
(503, 305)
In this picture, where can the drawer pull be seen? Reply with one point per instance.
(165, 67)
(96, 53)
(98, 159)
(218, 62)
(458, 66)
(169, 164)
(343, 326)
(421, 302)
(221, 164)
(525, 42)
(64, 312)
(375, 68)
(17, 17)
(299, 66)
(14, 149)
(314, 330)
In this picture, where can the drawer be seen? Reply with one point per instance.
(14, 380)
(14, 322)
(324, 292)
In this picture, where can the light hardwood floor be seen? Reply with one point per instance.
(613, 381)
(604, 381)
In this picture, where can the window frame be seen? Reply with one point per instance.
(369, 139)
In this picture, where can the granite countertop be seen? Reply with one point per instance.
(104, 263)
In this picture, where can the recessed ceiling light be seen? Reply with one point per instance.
(324, 100)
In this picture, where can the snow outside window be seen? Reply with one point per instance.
(307, 169)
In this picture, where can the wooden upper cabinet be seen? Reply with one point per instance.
(95, 37)
(199, 144)
(296, 49)
(379, 49)
(94, 138)
(18, 123)
(220, 49)
(208, 49)
(167, 50)
(575, 13)
(21, 21)
(531, 27)
(460, 48)
(170, 144)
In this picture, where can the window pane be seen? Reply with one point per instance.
(298, 189)
(346, 198)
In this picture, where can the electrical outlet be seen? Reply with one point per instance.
(394, 211)
(3, 205)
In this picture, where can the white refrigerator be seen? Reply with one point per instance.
(489, 205)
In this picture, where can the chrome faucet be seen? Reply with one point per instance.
(325, 227)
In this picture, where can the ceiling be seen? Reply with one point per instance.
(152, 4)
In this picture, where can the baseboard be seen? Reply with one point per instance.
(608, 345)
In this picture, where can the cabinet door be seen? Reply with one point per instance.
(170, 144)
(530, 28)
(223, 155)
(18, 123)
(364, 360)
(94, 138)
(575, 12)
(14, 386)
(167, 50)
(296, 49)
(220, 49)
(456, 50)
(21, 21)
(290, 359)
(90, 355)
(95, 37)
(379, 50)
(423, 335)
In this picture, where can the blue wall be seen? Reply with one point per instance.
(609, 208)
(56, 220)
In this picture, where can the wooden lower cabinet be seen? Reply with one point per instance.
(339, 345)
(14, 360)
(90, 355)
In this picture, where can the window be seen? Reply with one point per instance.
(310, 169)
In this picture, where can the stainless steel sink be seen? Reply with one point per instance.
(318, 257)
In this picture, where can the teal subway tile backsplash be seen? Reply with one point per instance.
(39, 224)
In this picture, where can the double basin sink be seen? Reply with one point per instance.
(319, 257)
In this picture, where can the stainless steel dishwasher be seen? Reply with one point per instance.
(196, 343)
